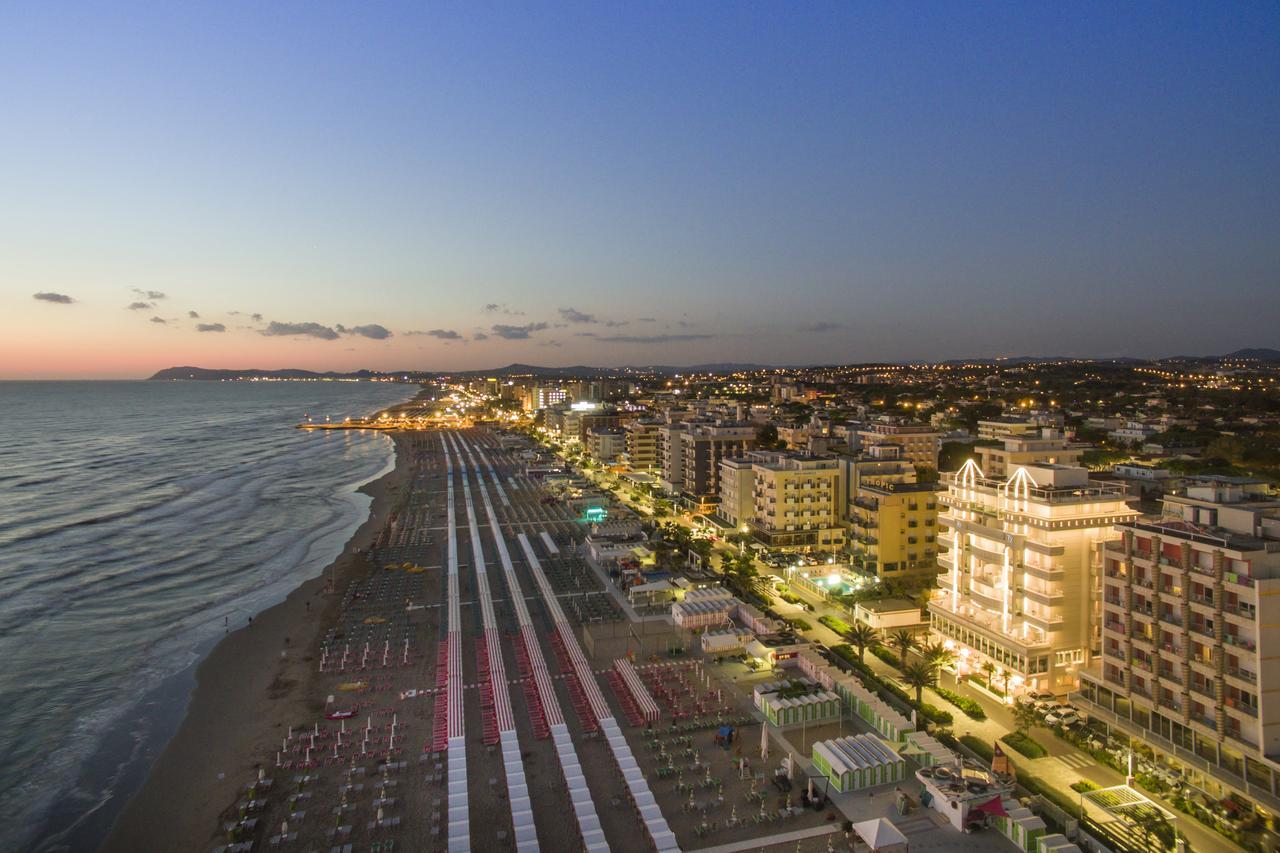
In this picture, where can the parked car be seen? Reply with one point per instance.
(1063, 717)
(1040, 699)
(1056, 707)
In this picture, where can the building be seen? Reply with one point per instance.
(1018, 582)
(893, 522)
(888, 614)
(605, 445)
(1007, 426)
(642, 446)
(691, 454)
(789, 500)
(737, 491)
(1048, 447)
(920, 443)
(1191, 636)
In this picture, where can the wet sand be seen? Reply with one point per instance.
(255, 683)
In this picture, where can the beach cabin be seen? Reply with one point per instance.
(925, 749)
(857, 762)
(1020, 826)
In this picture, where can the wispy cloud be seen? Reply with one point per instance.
(162, 321)
(517, 333)
(310, 330)
(56, 298)
(210, 327)
(151, 295)
(501, 308)
(573, 315)
(479, 336)
(194, 315)
(373, 330)
(651, 339)
(257, 318)
(442, 334)
(138, 306)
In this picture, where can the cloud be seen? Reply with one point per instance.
(822, 326)
(151, 295)
(138, 306)
(310, 330)
(501, 308)
(646, 319)
(442, 334)
(613, 324)
(517, 333)
(210, 327)
(652, 339)
(58, 298)
(373, 330)
(194, 315)
(162, 321)
(257, 318)
(550, 344)
(585, 335)
(479, 336)
(575, 316)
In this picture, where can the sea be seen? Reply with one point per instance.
(139, 521)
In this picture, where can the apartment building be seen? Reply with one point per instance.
(605, 444)
(641, 453)
(919, 442)
(794, 499)
(703, 446)
(1190, 622)
(893, 521)
(1018, 574)
(1046, 447)
(737, 490)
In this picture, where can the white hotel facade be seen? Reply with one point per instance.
(1019, 577)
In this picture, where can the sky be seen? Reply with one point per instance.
(431, 186)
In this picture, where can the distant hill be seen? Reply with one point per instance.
(1258, 353)
(208, 374)
(198, 374)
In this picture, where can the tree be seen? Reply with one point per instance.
(988, 669)
(1024, 716)
(863, 635)
(904, 641)
(937, 655)
(919, 675)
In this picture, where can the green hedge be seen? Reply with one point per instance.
(970, 707)
(800, 624)
(1025, 744)
(840, 626)
(1084, 786)
(978, 746)
(874, 682)
(886, 655)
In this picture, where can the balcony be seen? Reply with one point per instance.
(1240, 642)
(1114, 627)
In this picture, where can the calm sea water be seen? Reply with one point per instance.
(134, 518)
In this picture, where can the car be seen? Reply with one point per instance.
(1038, 699)
(1060, 708)
(1063, 718)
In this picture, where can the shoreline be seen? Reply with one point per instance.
(253, 684)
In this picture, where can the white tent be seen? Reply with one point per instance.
(881, 835)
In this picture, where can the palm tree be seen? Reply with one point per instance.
(1024, 716)
(863, 635)
(919, 675)
(988, 669)
(904, 641)
(937, 655)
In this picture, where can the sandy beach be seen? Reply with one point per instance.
(253, 684)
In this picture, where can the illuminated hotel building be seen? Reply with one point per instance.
(1018, 581)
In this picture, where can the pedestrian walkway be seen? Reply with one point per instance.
(768, 840)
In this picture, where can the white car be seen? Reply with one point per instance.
(1056, 707)
(1039, 700)
(1063, 717)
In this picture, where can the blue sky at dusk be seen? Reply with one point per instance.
(612, 183)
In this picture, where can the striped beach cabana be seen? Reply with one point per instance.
(858, 761)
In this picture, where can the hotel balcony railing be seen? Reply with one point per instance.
(1241, 672)
(1240, 642)
(1250, 710)
(1172, 647)
(1172, 618)
(1203, 689)
(1248, 611)
(1170, 675)
(1115, 627)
